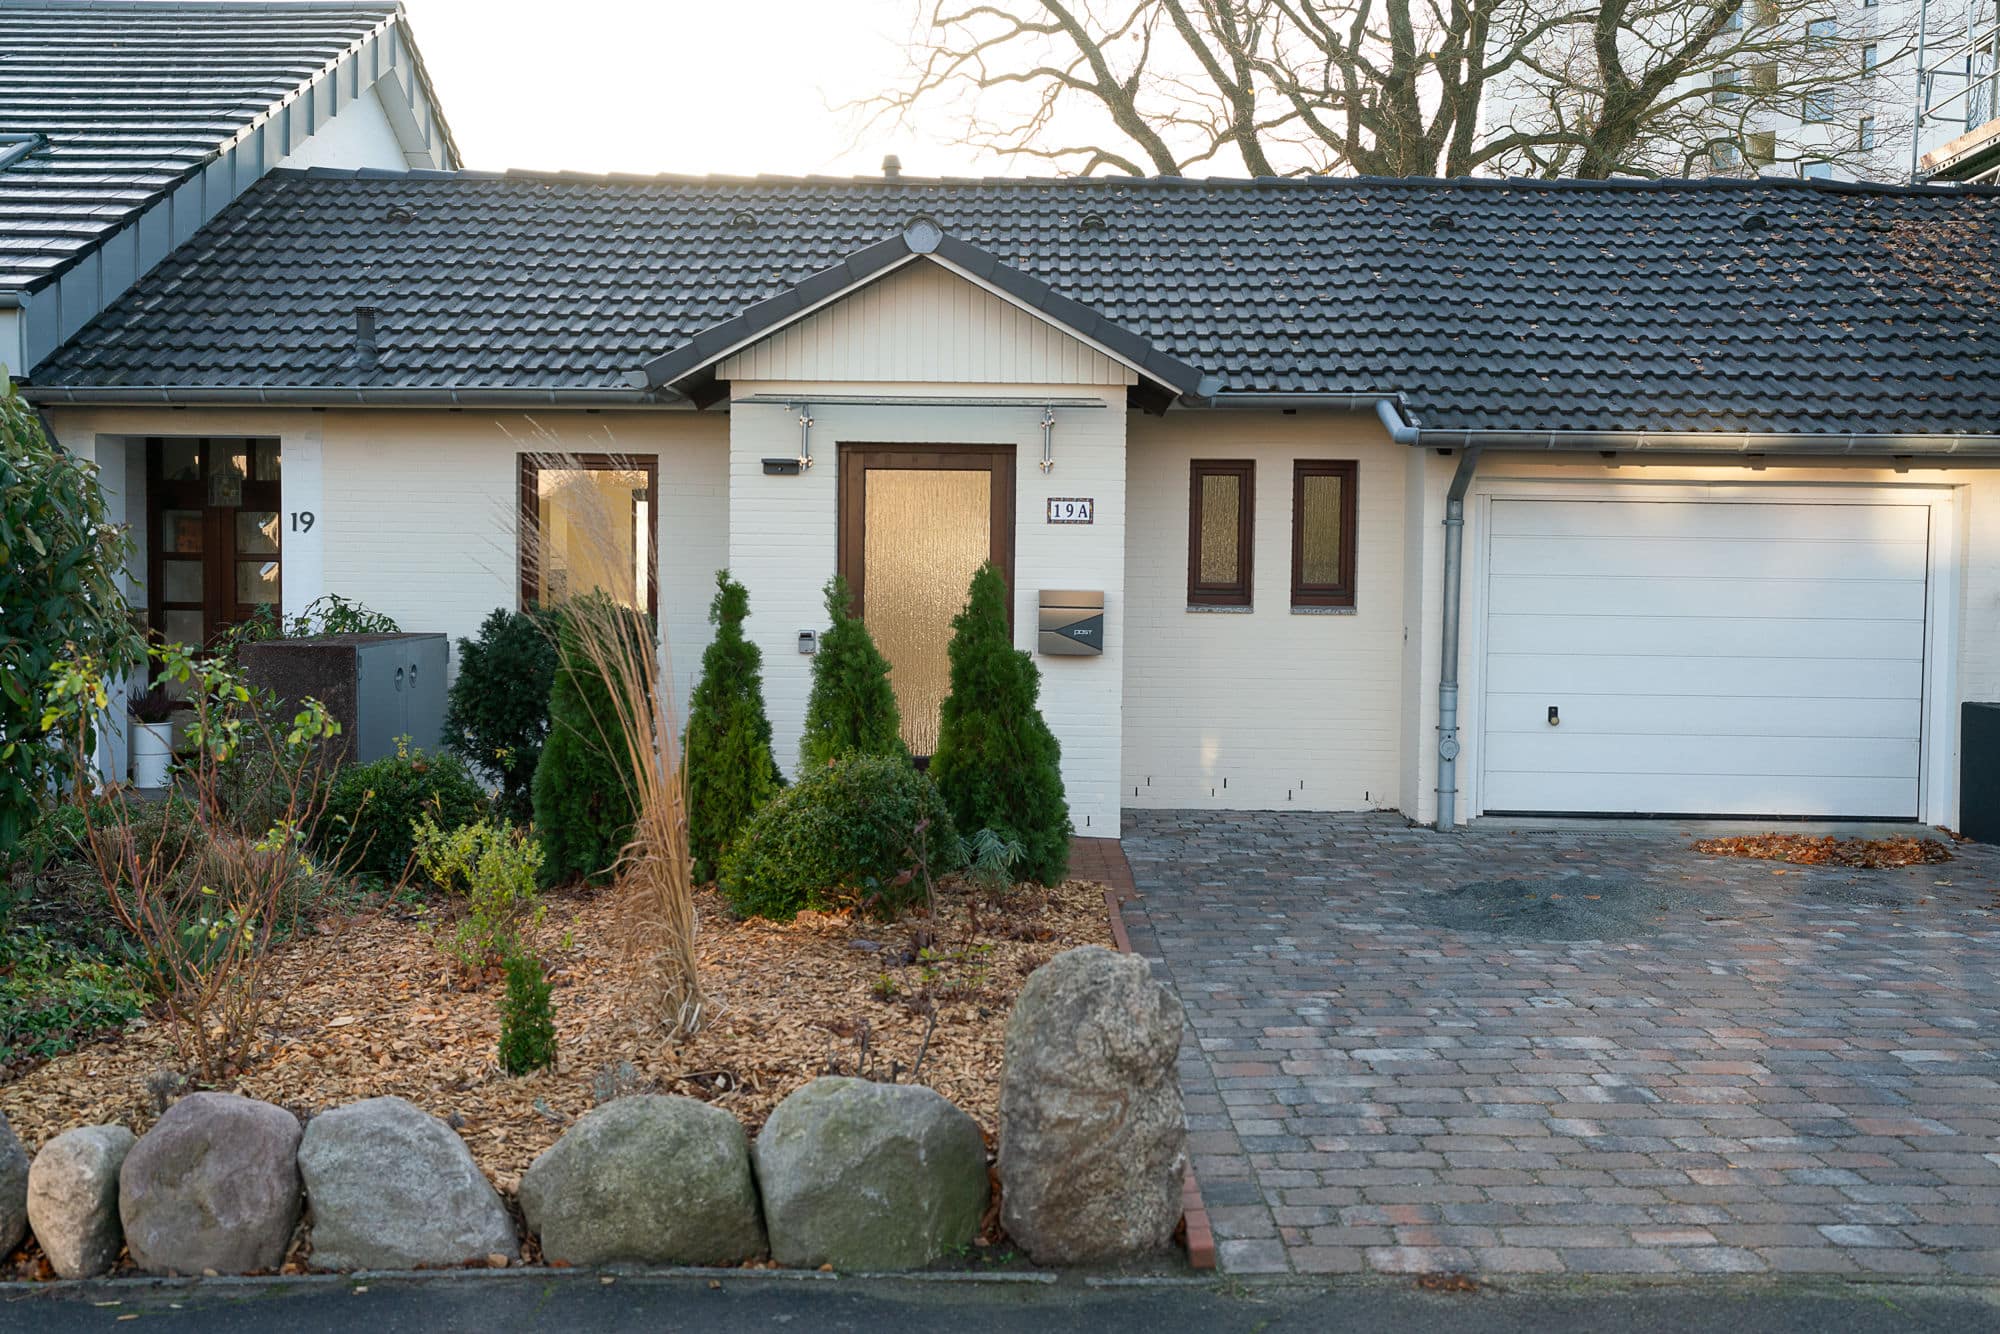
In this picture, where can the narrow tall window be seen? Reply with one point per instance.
(1221, 494)
(1867, 136)
(1871, 56)
(1323, 533)
(588, 524)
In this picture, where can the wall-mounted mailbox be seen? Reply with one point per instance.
(1072, 623)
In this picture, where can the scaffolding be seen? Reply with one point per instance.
(1958, 80)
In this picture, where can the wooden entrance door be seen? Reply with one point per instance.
(214, 539)
(915, 522)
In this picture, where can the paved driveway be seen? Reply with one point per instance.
(1772, 1072)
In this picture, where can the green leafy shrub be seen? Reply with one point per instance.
(584, 803)
(852, 708)
(730, 770)
(54, 997)
(61, 561)
(330, 614)
(997, 763)
(497, 717)
(494, 868)
(527, 1017)
(372, 807)
(842, 834)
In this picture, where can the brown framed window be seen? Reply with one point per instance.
(1221, 498)
(588, 521)
(1323, 532)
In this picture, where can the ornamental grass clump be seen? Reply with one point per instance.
(628, 729)
(852, 709)
(997, 764)
(730, 769)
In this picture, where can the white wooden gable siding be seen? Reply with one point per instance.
(924, 324)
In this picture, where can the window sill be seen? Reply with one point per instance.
(1322, 611)
(1218, 607)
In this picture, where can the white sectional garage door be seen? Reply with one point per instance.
(1704, 657)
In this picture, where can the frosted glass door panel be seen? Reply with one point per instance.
(926, 531)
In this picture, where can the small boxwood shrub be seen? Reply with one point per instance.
(730, 770)
(527, 1017)
(844, 834)
(497, 718)
(370, 811)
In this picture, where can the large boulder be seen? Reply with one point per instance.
(393, 1187)
(860, 1175)
(73, 1199)
(1093, 1142)
(13, 1188)
(213, 1186)
(646, 1179)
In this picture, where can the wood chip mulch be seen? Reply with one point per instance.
(373, 1008)
(1824, 850)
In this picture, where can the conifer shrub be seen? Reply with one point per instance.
(730, 770)
(527, 1017)
(584, 803)
(497, 718)
(852, 708)
(998, 766)
(845, 833)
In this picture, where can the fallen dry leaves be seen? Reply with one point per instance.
(372, 1008)
(1825, 850)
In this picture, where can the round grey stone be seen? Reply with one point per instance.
(213, 1186)
(867, 1176)
(1093, 1137)
(393, 1187)
(646, 1179)
(13, 1188)
(73, 1199)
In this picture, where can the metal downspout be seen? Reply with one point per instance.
(1454, 569)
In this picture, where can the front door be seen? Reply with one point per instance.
(915, 522)
(213, 535)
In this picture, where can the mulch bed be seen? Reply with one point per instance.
(372, 1008)
(1824, 850)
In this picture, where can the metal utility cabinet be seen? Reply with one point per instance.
(1979, 771)
(378, 687)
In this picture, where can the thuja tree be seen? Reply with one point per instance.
(730, 770)
(852, 709)
(997, 764)
(584, 803)
(498, 715)
(60, 558)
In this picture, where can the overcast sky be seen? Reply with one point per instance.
(735, 86)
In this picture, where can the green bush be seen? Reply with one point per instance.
(369, 813)
(527, 1017)
(497, 718)
(584, 803)
(842, 834)
(494, 868)
(54, 997)
(852, 708)
(997, 764)
(730, 771)
(61, 562)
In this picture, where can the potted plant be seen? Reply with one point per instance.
(152, 737)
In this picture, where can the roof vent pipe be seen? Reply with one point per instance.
(364, 338)
(892, 167)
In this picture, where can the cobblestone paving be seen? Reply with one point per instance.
(1799, 1072)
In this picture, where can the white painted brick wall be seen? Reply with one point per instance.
(783, 530)
(1265, 709)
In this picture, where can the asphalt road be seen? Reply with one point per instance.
(490, 1304)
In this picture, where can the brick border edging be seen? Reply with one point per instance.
(1106, 859)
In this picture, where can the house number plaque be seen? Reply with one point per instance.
(1072, 509)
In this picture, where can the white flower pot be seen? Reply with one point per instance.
(152, 753)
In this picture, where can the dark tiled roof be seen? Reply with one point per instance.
(131, 95)
(1688, 306)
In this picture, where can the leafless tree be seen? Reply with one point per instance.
(1407, 87)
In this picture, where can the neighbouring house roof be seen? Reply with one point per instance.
(1498, 305)
(134, 96)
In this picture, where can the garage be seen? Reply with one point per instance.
(1706, 656)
